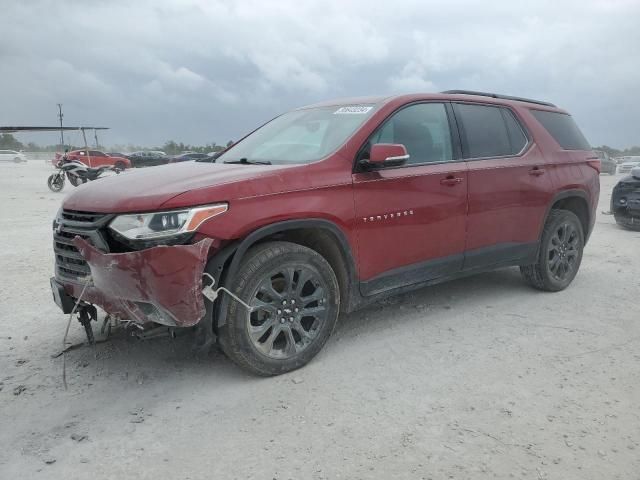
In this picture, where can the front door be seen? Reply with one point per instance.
(411, 219)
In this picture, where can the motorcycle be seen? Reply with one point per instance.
(77, 173)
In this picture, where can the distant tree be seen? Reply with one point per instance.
(9, 142)
(229, 143)
(613, 152)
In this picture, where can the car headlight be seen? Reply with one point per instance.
(159, 225)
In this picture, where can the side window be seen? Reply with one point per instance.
(423, 129)
(517, 138)
(96, 153)
(485, 132)
(563, 129)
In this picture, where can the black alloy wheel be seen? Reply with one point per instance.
(294, 298)
(559, 253)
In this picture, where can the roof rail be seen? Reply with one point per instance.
(495, 95)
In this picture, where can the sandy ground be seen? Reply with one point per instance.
(479, 378)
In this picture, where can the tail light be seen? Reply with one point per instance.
(595, 164)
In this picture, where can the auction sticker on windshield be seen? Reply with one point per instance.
(353, 109)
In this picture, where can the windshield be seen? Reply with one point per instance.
(300, 136)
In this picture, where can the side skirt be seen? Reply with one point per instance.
(413, 277)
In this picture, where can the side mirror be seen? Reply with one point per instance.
(387, 154)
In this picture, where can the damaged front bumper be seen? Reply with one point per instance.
(161, 284)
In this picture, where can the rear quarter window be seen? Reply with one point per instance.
(563, 129)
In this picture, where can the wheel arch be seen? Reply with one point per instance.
(321, 235)
(575, 201)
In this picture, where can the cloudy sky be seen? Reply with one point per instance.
(199, 71)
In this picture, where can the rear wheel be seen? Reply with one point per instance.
(560, 253)
(119, 166)
(17, 160)
(295, 301)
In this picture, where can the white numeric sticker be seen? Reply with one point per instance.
(352, 110)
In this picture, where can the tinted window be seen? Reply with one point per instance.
(485, 132)
(517, 138)
(95, 153)
(563, 129)
(424, 131)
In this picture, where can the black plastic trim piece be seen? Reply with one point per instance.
(410, 274)
(502, 253)
(441, 269)
(568, 194)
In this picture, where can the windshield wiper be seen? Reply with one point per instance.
(245, 161)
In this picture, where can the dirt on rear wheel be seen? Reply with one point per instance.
(560, 253)
(295, 302)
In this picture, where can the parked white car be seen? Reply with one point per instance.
(628, 163)
(12, 156)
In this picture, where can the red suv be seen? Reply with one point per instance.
(328, 208)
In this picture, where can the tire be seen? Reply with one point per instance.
(17, 160)
(278, 337)
(55, 182)
(560, 253)
(120, 166)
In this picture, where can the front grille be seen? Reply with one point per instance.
(72, 223)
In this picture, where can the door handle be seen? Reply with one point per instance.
(451, 181)
(537, 171)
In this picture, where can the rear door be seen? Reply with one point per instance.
(410, 220)
(509, 186)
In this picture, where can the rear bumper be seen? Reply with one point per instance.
(160, 284)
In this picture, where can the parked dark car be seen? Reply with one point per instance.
(326, 209)
(185, 157)
(148, 158)
(625, 201)
(607, 164)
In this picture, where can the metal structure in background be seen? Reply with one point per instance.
(55, 129)
(61, 129)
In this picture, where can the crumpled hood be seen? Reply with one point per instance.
(147, 189)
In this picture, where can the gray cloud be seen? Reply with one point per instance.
(202, 70)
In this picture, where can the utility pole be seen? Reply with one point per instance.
(95, 135)
(61, 130)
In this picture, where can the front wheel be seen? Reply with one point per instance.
(295, 301)
(560, 253)
(17, 160)
(55, 182)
